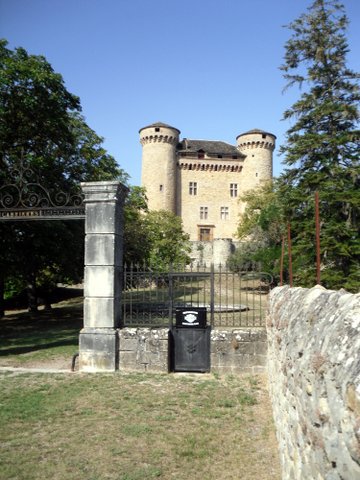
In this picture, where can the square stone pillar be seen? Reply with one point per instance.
(98, 341)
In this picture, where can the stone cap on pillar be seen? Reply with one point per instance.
(107, 191)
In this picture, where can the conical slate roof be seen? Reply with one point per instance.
(159, 124)
(256, 131)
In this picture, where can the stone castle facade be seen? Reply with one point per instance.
(201, 180)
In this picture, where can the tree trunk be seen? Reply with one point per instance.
(2, 302)
(32, 293)
(47, 299)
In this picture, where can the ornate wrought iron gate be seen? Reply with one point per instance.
(25, 198)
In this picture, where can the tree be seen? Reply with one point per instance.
(136, 239)
(152, 238)
(169, 243)
(43, 133)
(263, 215)
(35, 107)
(260, 229)
(322, 146)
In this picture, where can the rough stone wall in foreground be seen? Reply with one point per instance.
(314, 375)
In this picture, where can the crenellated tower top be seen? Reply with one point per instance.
(255, 139)
(159, 133)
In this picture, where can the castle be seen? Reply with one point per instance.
(201, 181)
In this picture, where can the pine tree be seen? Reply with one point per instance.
(322, 147)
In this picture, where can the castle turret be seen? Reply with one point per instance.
(258, 146)
(159, 142)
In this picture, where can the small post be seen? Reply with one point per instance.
(317, 228)
(212, 293)
(290, 254)
(282, 261)
(171, 296)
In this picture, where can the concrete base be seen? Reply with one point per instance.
(99, 350)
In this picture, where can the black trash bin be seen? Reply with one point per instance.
(190, 341)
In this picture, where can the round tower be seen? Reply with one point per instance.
(258, 146)
(158, 176)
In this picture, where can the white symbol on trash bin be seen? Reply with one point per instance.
(190, 317)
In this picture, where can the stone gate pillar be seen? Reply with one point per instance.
(98, 341)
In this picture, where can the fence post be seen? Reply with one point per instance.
(282, 261)
(212, 293)
(171, 296)
(317, 228)
(290, 255)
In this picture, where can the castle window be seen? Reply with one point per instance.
(201, 154)
(224, 213)
(161, 188)
(234, 157)
(192, 188)
(256, 174)
(219, 156)
(203, 213)
(233, 189)
(205, 234)
(263, 135)
(157, 129)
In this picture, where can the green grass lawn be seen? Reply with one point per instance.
(122, 426)
(135, 427)
(47, 336)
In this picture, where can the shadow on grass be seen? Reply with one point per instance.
(36, 347)
(25, 332)
(57, 295)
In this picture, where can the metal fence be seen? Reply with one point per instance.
(232, 299)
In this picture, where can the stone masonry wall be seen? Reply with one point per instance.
(232, 351)
(215, 252)
(144, 349)
(314, 375)
(241, 350)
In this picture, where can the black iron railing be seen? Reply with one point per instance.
(232, 299)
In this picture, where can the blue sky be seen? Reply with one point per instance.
(208, 67)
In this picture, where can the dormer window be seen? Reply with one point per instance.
(157, 129)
